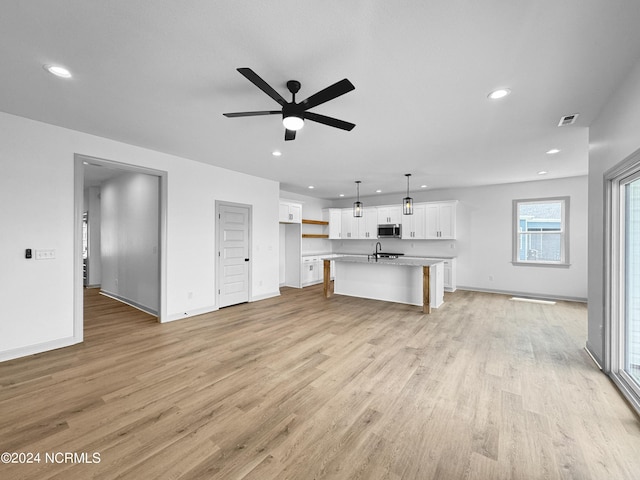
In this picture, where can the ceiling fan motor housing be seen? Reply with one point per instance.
(292, 110)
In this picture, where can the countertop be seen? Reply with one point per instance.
(409, 262)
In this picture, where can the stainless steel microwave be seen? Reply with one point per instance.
(389, 231)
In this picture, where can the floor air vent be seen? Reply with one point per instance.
(568, 120)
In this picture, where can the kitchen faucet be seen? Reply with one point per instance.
(378, 244)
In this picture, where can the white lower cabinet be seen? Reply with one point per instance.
(312, 270)
(450, 274)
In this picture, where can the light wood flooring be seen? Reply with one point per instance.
(299, 387)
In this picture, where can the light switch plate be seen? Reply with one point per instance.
(45, 254)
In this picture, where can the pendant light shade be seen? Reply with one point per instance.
(407, 202)
(357, 205)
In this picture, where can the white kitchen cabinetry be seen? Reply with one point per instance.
(441, 220)
(389, 215)
(312, 269)
(364, 227)
(334, 217)
(368, 223)
(349, 226)
(450, 274)
(414, 227)
(290, 212)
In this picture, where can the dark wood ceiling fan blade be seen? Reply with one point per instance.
(332, 122)
(254, 78)
(290, 135)
(329, 93)
(252, 114)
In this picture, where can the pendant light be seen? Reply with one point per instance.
(357, 205)
(407, 202)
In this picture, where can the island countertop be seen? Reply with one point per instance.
(407, 262)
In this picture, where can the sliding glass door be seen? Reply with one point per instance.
(622, 347)
(630, 321)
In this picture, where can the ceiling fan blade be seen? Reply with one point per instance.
(329, 93)
(254, 78)
(252, 114)
(332, 122)
(290, 135)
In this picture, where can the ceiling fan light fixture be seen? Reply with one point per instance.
(293, 122)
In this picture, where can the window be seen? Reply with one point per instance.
(541, 231)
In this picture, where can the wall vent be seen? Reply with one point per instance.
(568, 120)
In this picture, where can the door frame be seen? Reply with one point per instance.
(218, 268)
(613, 281)
(79, 171)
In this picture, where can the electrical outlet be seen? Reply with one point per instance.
(491, 278)
(45, 254)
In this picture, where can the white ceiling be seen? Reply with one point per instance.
(160, 74)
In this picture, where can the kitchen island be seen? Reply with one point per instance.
(414, 281)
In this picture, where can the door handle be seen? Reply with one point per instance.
(246, 259)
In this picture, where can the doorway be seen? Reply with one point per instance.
(233, 223)
(111, 173)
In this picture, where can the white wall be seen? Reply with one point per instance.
(484, 238)
(130, 234)
(92, 206)
(37, 195)
(613, 136)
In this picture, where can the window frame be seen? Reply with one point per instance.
(564, 232)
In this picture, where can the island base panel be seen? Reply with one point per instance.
(390, 283)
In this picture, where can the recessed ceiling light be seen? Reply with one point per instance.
(58, 71)
(423, 186)
(341, 195)
(311, 187)
(542, 172)
(500, 93)
(553, 151)
(378, 191)
(276, 153)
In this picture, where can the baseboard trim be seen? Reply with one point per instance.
(190, 313)
(131, 303)
(257, 298)
(38, 348)
(524, 294)
(593, 356)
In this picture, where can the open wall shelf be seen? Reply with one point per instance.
(314, 222)
(306, 221)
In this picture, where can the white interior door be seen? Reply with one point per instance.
(233, 255)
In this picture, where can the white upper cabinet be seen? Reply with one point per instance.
(430, 221)
(414, 227)
(368, 223)
(349, 227)
(390, 214)
(441, 220)
(334, 217)
(290, 212)
(359, 227)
